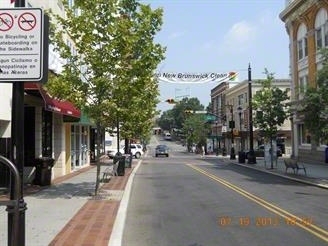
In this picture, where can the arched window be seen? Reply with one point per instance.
(302, 42)
(321, 29)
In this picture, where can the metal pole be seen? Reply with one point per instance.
(118, 133)
(232, 151)
(17, 152)
(241, 138)
(251, 155)
(217, 138)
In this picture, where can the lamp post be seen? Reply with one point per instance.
(232, 126)
(241, 153)
(251, 155)
(240, 110)
(217, 138)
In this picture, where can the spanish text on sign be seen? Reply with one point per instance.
(21, 44)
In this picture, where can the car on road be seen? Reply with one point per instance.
(259, 151)
(167, 136)
(136, 151)
(162, 149)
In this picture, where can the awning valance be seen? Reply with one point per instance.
(54, 105)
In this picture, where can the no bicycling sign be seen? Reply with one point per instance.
(21, 44)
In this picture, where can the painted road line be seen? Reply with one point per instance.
(297, 221)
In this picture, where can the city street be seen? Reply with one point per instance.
(189, 200)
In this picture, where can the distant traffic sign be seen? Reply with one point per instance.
(21, 44)
(210, 117)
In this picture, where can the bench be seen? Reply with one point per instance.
(293, 164)
(110, 171)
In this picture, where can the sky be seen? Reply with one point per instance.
(220, 36)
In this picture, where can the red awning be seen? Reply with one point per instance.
(54, 105)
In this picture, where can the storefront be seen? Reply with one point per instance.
(48, 127)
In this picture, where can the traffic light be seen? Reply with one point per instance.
(170, 101)
(188, 111)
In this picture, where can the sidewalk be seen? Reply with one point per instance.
(67, 213)
(316, 174)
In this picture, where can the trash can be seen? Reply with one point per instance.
(43, 170)
(121, 164)
(224, 151)
(128, 160)
(241, 157)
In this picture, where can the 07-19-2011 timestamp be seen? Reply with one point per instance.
(263, 221)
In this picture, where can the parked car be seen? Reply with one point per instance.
(162, 149)
(136, 151)
(259, 151)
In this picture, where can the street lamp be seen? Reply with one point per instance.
(240, 110)
(216, 132)
(251, 154)
(241, 154)
(232, 126)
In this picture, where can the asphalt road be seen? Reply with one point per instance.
(186, 200)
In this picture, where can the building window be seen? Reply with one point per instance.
(303, 135)
(302, 42)
(303, 85)
(321, 27)
(318, 37)
(241, 100)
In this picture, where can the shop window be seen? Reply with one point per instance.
(304, 135)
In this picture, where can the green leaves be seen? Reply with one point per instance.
(111, 58)
(271, 105)
(314, 109)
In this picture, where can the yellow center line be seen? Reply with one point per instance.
(317, 231)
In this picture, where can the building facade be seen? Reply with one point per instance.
(52, 128)
(231, 105)
(306, 23)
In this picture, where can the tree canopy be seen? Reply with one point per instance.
(314, 105)
(111, 57)
(175, 117)
(272, 108)
(271, 105)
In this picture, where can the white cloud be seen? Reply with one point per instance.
(240, 36)
(176, 35)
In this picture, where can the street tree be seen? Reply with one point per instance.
(178, 111)
(111, 58)
(314, 105)
(196, 130)
(272, 109)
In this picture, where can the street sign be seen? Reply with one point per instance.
(21, 44)
(200, 112)
(209, 117)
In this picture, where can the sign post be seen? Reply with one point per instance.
(22, 47)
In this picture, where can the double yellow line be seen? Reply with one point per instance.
(297, 221)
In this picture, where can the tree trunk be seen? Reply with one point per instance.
(98, 151)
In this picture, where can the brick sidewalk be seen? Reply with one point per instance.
(93, 223)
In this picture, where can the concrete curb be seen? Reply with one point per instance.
(118, 227)
(324, 186)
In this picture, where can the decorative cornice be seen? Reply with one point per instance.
(296, 9)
